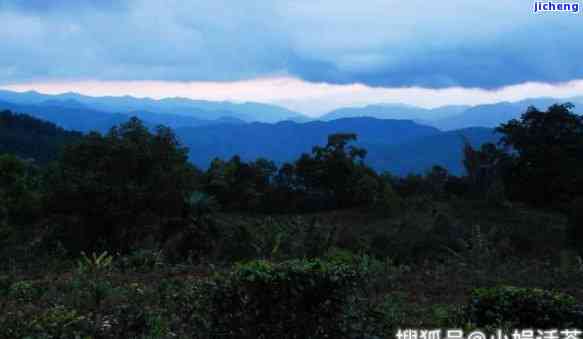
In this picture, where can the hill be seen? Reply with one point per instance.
(399, 146)
(394, 111)
(285, 141)
(31, 138)
(76, 116)
(450, 118)
(492, 115)
(417, 156)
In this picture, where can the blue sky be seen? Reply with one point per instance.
(385, 44)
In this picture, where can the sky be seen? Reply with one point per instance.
(311, 56)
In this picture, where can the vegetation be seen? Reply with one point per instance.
(121, 237)
(33, 139)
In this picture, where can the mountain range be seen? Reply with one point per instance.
(196, 109)
(398, 146)
(101, 112)
(399, 138)
(449, 118)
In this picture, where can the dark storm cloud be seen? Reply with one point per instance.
(381, 43)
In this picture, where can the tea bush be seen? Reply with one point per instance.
(293, 299)
(523, 308)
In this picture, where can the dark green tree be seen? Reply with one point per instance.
(548, 151)
(119, 187)
(19, 191)
(337, 171)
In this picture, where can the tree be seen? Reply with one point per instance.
(19, 196)
(485, 168)
(548, 151)
(335, 172)
(119, 187)
(31, 138)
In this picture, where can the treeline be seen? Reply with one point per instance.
(31, 138)
(111, 191)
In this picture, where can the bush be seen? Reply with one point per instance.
(294, 299)
(523, 308)
(575, 227)
(55, 322)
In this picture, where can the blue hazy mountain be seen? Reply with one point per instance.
(200, 109)
(394, 111)
(418, 156)
(451, 117)
(71, 114)
(399, 146)
(492, 115)
(70, 118)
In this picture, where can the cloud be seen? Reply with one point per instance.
(436, 44)
(44, 6)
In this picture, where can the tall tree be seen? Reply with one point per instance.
(548, 149)
(121, 186)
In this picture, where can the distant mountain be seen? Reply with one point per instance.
(200, 109)
(492, 115)
(76, 116)
(285, 141)
(399, 146)
(32, 138)
(418, 156)
(451, 117)
(71, 118)
(394, 111)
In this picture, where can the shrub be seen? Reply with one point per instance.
(293, 299)
(523, 308)
(575, 227)
(143, 260)
(55, 322)
(25, 291)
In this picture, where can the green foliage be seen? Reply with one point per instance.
(55, 322)
(116, 189)
(19, 198)
(522, 308)
(201, 204)
(95, 263)
(388, 201)
(277, 238)
(31, 138)
(337, 170)
(92, 277)
(485, 169)
(294, 299)
(548, 156)
(24, 291)
(575, 229)
(142, 260)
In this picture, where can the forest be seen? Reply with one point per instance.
(118, 234)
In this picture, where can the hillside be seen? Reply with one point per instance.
(399, 146)
(394, 111)
(30, 138)
(285, 141)
(417, 156)
(492, 115)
